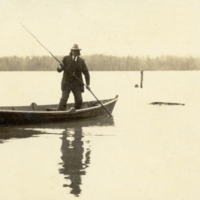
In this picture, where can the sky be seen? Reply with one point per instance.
(114, 27)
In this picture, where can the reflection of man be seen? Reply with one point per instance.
(72, 156)
(73, 66)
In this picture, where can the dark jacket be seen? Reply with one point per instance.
(77, 69)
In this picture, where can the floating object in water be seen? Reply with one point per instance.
(167, 103)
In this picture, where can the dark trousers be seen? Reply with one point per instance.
(65, 95)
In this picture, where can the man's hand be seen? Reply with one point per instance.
(88, 87)
(60, 66)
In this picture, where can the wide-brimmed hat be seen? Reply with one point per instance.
(75, 47)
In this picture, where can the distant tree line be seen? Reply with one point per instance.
(103, 63)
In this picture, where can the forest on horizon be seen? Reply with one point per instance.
(100, 62)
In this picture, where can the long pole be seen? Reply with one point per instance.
(67, 69)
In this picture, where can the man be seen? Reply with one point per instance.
(73, 67)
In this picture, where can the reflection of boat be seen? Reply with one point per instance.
(47, 113)
(24, 131)
(75, 146)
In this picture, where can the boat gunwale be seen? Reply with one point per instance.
(61, 112)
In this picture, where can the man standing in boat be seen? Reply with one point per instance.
(72, 81)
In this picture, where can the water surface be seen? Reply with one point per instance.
(143, 152)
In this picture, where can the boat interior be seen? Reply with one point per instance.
(53, 107)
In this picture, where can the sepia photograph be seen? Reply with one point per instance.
(99, 100)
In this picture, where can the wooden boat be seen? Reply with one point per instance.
(48, 113)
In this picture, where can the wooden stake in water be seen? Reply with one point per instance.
(141, 81)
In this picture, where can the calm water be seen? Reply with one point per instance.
(143, 152)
